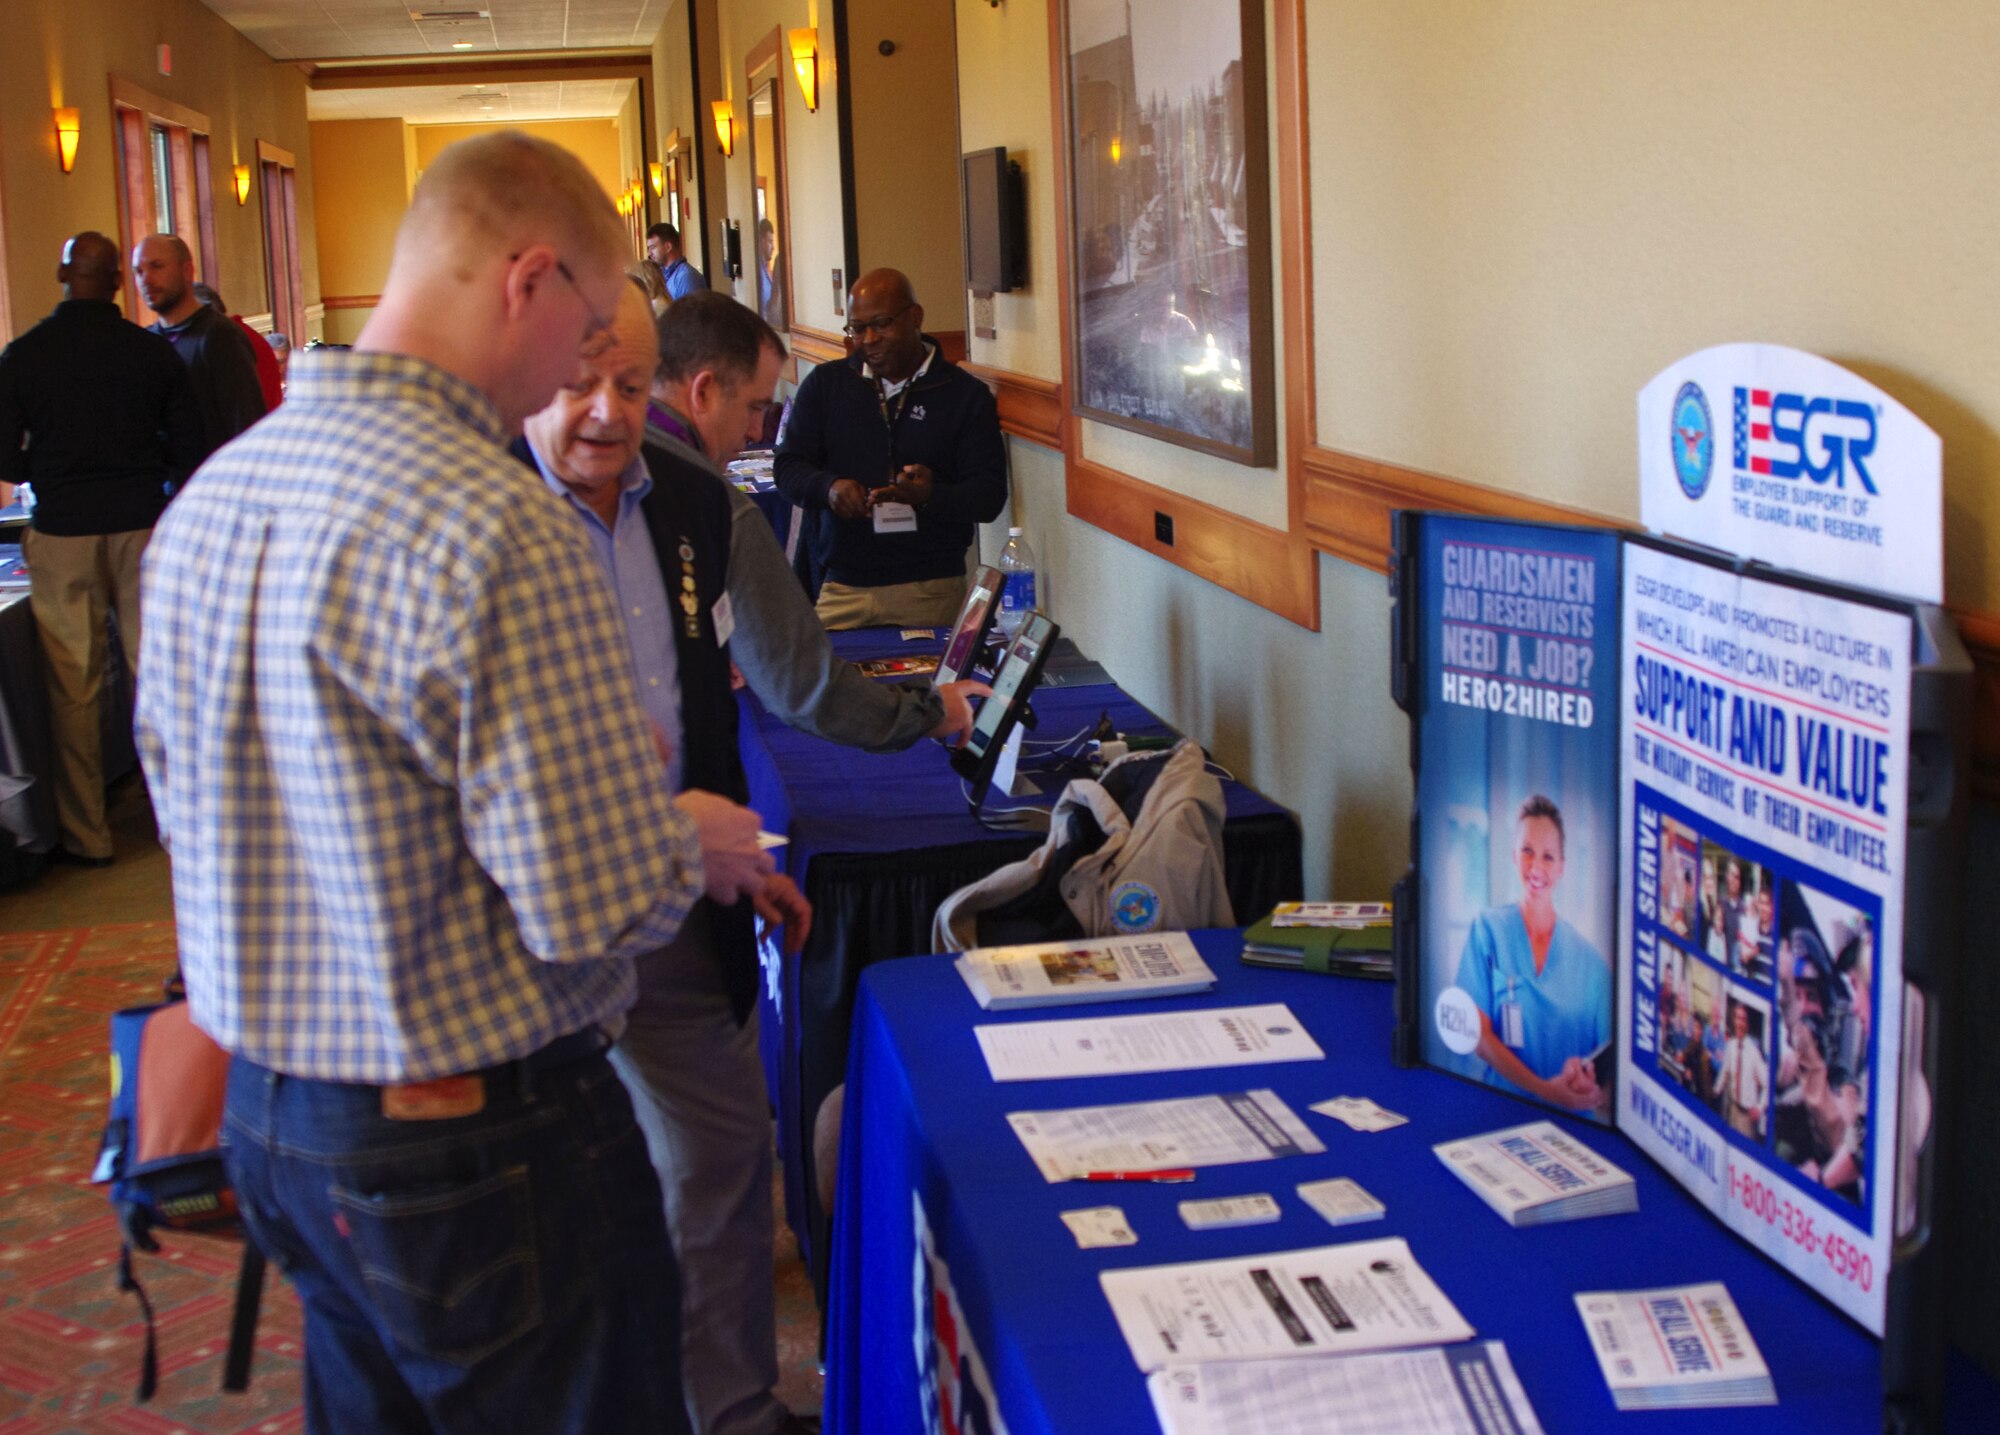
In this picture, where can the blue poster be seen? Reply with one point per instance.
(1515, 697)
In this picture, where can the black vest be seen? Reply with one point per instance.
(688, 506)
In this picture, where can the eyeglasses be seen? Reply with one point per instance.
(866, 327)
(598, 323)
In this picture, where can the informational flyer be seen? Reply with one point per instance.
(1184, 1132)
(1468, 1389)
(1765, 756)
(1366, 1295)
(1514, 688)
(1169, 1041)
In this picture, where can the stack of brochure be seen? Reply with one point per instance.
(1538, 1174)
(1679, 1348)
(1433, 1391)
(1159, 964)
(1353, 939)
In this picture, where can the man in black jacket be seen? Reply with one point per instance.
(222, 368)
(110, 426)
(688, 1054)
(896, 458)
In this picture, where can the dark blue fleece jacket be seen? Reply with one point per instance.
(838, 429)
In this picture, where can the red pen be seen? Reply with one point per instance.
(1174, 1174)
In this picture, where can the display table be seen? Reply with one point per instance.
(877, 842)
(925, 1137)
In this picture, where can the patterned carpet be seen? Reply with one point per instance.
(70, 1342)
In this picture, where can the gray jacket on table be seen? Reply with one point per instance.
(783, 652)
(1157, 869)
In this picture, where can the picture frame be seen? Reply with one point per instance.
(1170, 292)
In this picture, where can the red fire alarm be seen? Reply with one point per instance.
(166, 59)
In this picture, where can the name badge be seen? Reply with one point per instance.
(725, 620)
(895, 518)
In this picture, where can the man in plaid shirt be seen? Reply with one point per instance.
(419, 825)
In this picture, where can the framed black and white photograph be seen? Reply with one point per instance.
(1170, 234)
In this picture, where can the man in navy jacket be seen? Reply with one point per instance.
(896, 458)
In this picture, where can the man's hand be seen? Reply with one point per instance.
(956, 724)
(912, 486)
(847, 498)
(782, 904)
(733, 865)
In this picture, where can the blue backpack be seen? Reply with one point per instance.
(162, 1158)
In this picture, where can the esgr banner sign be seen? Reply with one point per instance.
(1778, 455)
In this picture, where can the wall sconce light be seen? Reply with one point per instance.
(725, 126)
(657, 172)
(805, 62)
(242, 176)
(67, 125)
(1117, 150)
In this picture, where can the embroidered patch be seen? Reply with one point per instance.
(1135, 907)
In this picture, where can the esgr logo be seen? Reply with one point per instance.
(1792, 436)
(1693, 440)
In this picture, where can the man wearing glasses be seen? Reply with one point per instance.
(896, 458)
(421, 827)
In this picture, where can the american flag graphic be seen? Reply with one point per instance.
(1754, 446)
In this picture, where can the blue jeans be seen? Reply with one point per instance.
(504, 1271)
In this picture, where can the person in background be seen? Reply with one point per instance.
(420, 827)
(221, 365)
(770, 296)
(895, 456)
(663, 247)
(646, 275)
(270, 374)
(109, 427)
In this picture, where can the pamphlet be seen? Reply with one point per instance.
(1538, 1174)
(1676, 1348)
(917, 665)
(1160, 1135)
(1169, 1041)
(1331, 1300)
(1350, 948)
(1355, 915)
(1065, 973)
(1466, 1389)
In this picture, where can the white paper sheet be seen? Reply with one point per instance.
(1218, 1130)
(1167, 1041)
(1416, 1392)
(1331, 1300)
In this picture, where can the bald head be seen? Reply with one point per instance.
(887, 323)
(507, 256)
(89, 268)
(163, 265)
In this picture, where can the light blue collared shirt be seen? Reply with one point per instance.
(632, 569)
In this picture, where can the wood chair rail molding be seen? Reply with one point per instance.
(1349, 499)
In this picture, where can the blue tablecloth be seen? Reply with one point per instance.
(877, 841)
(1003, 1286)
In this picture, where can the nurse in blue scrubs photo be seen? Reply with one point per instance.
(1542, 990)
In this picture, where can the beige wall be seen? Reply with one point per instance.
(60, 52)
(674, 108)
(906, 150)
(362, 173)
(595, 142)
(812, 158)
(1523, 212)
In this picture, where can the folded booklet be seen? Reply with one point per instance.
(1159, 964)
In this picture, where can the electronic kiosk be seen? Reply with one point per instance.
(966, 647)
(1000, 717)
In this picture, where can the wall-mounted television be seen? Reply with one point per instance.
(996, 222)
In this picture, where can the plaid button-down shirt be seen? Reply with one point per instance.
(417, 821)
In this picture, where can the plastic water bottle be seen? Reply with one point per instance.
(1018, 600)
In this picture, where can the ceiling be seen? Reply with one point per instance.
(514, 100)
(433, 30)
(362, 29)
